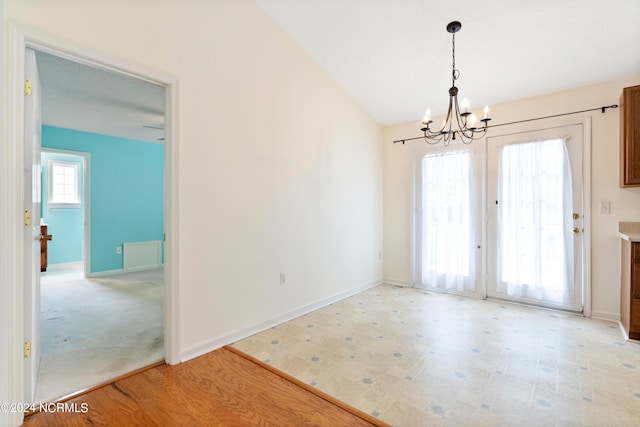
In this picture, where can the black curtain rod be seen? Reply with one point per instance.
(603, 109)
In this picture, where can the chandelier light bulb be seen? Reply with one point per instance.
(486, 111)
(472, 119)
(427, 117)
(465, 105)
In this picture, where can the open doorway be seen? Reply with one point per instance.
(20, 319)
(63, 208)
(100, 316)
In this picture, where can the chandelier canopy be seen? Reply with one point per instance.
(457, 124)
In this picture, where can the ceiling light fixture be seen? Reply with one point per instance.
(457, 124)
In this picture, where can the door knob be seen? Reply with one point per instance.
(46, 237)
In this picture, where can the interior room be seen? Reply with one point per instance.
(102, 183)
(298, 233)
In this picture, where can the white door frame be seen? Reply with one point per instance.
(8, 301)
(19, 38)
(86, 207)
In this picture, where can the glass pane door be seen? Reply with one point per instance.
(446, 238)
(534, 221)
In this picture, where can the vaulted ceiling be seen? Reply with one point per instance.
(393, 57)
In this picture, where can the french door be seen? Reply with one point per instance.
(535, 217)
(447, 226)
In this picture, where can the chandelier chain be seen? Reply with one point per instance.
(454, 75)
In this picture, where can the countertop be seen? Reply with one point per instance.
(629, 231)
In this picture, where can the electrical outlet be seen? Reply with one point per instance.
(118, 250)
(605, 208)
(283, 279)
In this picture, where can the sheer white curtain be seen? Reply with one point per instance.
(447, 243)
(535, 243)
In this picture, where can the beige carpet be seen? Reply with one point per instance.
(93, 330)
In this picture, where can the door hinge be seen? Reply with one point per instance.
(28, 88)
(27, 218)
(27, 349)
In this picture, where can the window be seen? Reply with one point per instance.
(64, 184)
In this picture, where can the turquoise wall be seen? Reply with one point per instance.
(126, 191)
(66, 225)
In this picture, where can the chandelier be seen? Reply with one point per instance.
(457, 124)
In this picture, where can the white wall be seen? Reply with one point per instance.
(625, 203)
(280, 171)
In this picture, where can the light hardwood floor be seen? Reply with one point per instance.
(221, 388)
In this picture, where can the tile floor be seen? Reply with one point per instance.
(416, 358)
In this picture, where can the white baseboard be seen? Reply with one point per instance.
(143, 268)
(626, 336)
(216, 343)
(396, 282)
(65, 264)
(624, 333)
(605, 315)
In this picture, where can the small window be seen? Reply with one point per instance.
(64, 184)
